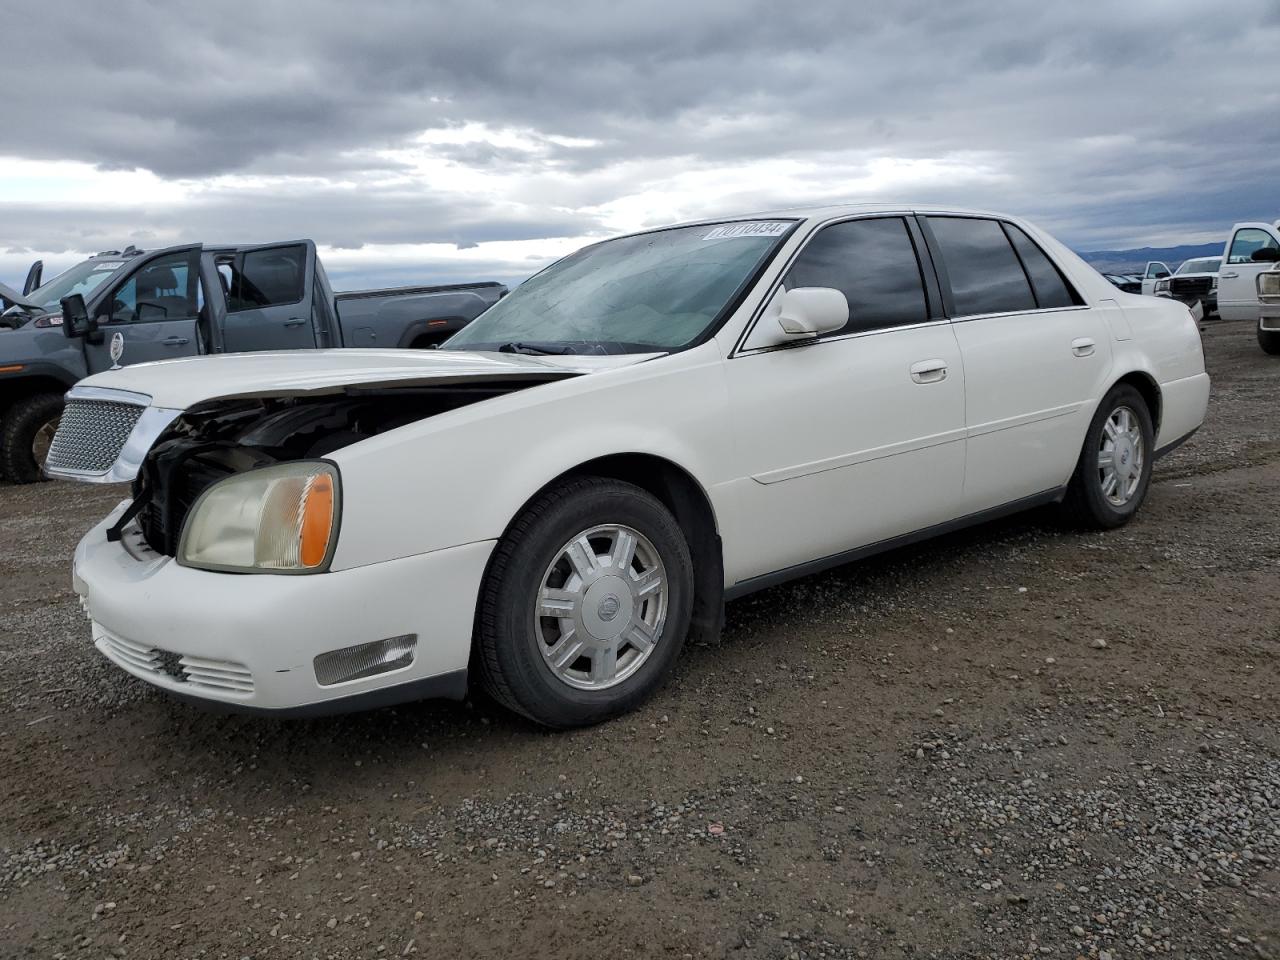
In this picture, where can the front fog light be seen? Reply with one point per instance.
(280, 519)
(365, 660)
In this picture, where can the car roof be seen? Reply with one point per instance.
(830, 210)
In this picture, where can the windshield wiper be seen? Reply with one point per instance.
(518, 346)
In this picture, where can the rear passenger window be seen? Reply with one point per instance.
(264, 278)
(873, 262)
(1047, 282)
(985, 274)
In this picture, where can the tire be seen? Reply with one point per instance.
(516, 639)
(1088, 502)
(1269, 341)
(26, 424)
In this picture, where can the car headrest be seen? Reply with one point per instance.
(152, 279)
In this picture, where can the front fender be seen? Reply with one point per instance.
(462, 477)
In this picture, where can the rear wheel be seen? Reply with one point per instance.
(1114, 471)
(585, 605)
(26, 432)
(1269, 341)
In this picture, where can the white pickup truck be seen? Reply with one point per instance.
(1252, 248)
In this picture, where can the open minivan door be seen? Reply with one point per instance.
(269, 294)
(34, 276)
(1155, 271)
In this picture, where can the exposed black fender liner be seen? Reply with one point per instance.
(445, 686)
(744, 587)
(1173, 445)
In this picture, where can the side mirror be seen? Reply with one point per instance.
(76, 321)
(1161, 274)
(1265, 255)
(812, 311)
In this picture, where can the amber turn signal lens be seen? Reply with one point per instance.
(317, 520)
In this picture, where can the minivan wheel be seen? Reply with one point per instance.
(585, 605)
(26, 432)
(1269, 341)
(1114, 471)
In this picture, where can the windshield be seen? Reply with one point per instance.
(83, 279)
(651, 292)
(1207, 265)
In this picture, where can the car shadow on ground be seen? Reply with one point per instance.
(456, 736)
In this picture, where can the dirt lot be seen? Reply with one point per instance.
(930, 754)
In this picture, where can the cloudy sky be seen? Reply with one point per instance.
(434, 141)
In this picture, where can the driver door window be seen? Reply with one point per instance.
(164, 289)
(1249, 240)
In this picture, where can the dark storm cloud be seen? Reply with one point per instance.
(1099, 117)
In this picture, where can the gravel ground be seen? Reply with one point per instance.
(1015, 741)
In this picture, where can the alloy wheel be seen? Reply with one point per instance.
(1121, 456)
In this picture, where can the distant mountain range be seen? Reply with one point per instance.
(1135, 261)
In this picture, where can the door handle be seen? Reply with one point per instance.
(929, 371)
(1082, 347)
(295, 322)
(175, 342)
(1228, 276)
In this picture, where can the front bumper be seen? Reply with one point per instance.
(247, 642)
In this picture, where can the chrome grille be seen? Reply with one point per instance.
(91, 435)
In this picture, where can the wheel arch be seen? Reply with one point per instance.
(14, 389)
(681, 493)
(1146, 385)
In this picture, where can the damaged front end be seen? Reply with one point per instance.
(172, 457)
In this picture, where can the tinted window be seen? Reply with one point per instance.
(1050, 287)
(1248, 240)
(264, 278)
(163, 289)
(873, 262)
(986, 276)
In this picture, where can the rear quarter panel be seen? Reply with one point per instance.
(391, 320)
(1162, 341)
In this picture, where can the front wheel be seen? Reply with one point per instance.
(1114, 471)
(26, 432)
(1269, 341)
(585, 605)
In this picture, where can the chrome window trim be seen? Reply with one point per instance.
(1019, 313)
(857, 335)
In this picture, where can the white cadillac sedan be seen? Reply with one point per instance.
(554, 500)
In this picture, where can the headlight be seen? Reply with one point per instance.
(1269, 284)
(281, 519)
(1162, 286)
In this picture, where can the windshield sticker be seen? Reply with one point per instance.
(752, 228)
